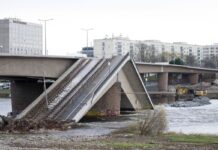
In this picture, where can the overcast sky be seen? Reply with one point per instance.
(192, 21)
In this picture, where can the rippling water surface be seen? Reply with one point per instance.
(202, 120)
(199, 120)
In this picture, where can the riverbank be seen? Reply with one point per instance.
(123, 133)
(190, 120)
(123, 139)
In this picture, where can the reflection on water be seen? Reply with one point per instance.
(5, 106)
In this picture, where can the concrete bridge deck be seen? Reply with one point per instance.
(91, 85)
(34, 66)
(158, 68)
(54, 66)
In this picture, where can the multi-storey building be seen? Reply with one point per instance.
(184, 49)
(118, 46)
(109, 47)
(20, 38)
(210, 51)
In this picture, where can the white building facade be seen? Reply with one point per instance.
(20, 38)
(210, 51)
(109, 47)
(119, 46)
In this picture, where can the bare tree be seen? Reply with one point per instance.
(140, 52)
(190, 60)
(147, 53)
(151, 54)
(210, 62)
(167, 56)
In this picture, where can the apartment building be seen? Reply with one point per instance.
(210, 51)
(108, 47)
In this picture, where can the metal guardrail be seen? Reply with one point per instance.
(98, 85)
(82, 83)
(85, 98)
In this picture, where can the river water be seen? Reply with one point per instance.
(197, 120)
(5, 106)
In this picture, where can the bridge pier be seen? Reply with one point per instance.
(193, 78)
(24, 92)
(216, 75)
(162, 81)
(109, 104)
(142, 77)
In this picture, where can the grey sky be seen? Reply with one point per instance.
(192, 21)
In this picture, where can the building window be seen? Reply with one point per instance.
(119, 49)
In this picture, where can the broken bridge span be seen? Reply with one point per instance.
(90, 86)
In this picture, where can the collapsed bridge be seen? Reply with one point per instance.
(90, 86)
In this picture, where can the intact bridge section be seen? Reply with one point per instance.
(165, 73)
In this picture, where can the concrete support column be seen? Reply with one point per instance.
(24, 92)
(162, 81)
(109, 104)
(216, 75)
(171, 78)
(193, 78)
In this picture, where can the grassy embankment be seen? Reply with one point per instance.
(124, 139)
(129, 138)
(200, 139)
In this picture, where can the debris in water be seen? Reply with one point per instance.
(197, 101)
(24, 125)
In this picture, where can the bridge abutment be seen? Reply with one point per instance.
(109, 104)
(193, 78)
(162, 81)
(24, 92)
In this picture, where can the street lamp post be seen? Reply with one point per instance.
(45, 21)
(87, 35)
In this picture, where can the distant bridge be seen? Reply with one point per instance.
(163, 70)
(158, 68)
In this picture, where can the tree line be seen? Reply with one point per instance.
(147, 53)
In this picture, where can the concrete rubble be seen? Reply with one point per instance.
(8, 124)
(197, 101)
